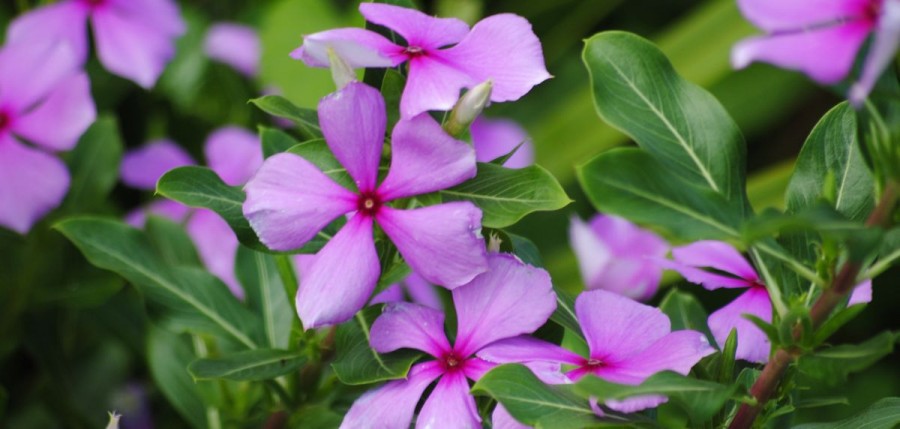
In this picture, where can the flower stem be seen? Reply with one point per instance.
(842, 284)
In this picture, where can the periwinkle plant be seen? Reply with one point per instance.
(277, 279)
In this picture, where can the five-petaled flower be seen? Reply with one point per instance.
(508, 300)
(822, 38)
(500, 48)
(44, 100)
(135, 38)
(290, 200)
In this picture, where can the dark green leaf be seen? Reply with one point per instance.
(247, 365)
(275, 141)
(307, 120)
(392, 88)
(831, 159)
(564, 314)
(266, 295)
(833, 365)
(884, 414)
(357, 363)
(700, 399)
(316, 416)
(94, 165)
(631, 183)
(526, 250)
(171, 242)
(168, 356)
(198, 298)
(637, 90)
(685, 312)
(507, 195)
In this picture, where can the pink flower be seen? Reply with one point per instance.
(234, 154)
(501, 48)
(44, 100)
(289, 201)
(419, 291)
(135, 38)
(618, 256)
(627, 341)
(736, 272)
(234, 44)
(822, 38)
(494, 138)
(508, 300)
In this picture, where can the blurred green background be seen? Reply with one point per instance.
(66, 365)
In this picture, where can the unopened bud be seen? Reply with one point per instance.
(341, 72)
(494, 243)
(113, 420)
(468, 108)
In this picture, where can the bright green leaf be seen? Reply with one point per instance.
(247, 365)
(266, 295)
(307, 120)
(833, 365)
(275, 141)
(356, 362)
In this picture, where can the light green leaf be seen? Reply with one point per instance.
(884, 414)
(637, 90)
(275, 141)
(631, 183)
(307, 120)
(266, 295)
(833, 365)
(247, 365)
(685, 312)
(196, 297)
(357, 363)
(507, 195)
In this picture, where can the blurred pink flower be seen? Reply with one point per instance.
(234, 44)
(494, 138)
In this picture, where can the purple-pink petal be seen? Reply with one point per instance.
(779, 15)
(442, 243)
(752, 344)
(234, 44)
(65, 22)
(234, 154)
(289, 201)
(392, 293)
(715, 254)
(32, 183)
(142, 167)
(494, 138)
(60, 119)
(419, 30)
(357, 47)
(475, 368)
(433, 84)
(353, 121)
(636, 403)
(217, 246)
(342, 277)
(168, 209)
(405, 325)
(392, 406)
(862, 293)
(678, 351)
(422, 292)
(501, 48)
(501, 419)
(450, 403)
(424, 158)
(825, 55)
(161, 15)
(616, 327)
(31, 70)
(881, 53)
(525, 348)
(511, 298)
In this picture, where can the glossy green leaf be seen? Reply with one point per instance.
(266, 295)
(637, 90)
(631, 183)
(831, 168)
(884, 414)
(94, 165)
(168, 356)
(507, 195)
(685, 312)
(700, 399)
(564, 315)
(198, 299)
(275, 141)
(247, 365)
(307, 120)
(392, 88)
(833, 365)
(530, 401)
(356, 362)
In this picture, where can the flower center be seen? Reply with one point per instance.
(593, 363)
(414, 51)
(452, 362)
(368, 203)
(5, 121)
(94, 2)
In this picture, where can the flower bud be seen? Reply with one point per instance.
(468, 108)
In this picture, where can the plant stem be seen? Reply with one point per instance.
(842, 284)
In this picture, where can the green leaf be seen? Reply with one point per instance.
(685, 312)
(884, 414)
(357, 363)
(199, 299)
(507, 195)
(392, 88)
(94, 165)
(637, 91)
(831, 157)
(266, 295)
(525, 249)
(833, 365)
(700, 399)
(530, 401)
(247, 365)
(564, 314)
(167, 356)
(629, 182)
(171, 242)
(317, 152)
(275, 141)
(307, 120)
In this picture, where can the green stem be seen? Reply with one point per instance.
(288, 278)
